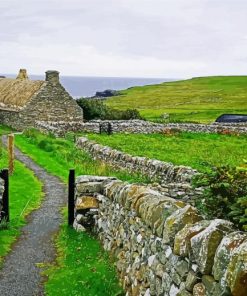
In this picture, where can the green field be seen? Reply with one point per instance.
(200, 151)
(195, 100)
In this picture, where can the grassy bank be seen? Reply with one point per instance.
(4, 130)
(199, 151)
(83, 267)
(25, 196)
(194, 100)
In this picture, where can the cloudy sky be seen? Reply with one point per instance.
(133, 38)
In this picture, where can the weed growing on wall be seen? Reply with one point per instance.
(225, 194)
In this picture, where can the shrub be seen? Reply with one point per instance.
(96, 109)
(45, 145)
(225, 195)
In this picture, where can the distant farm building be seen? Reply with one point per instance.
(24, 101)
(234, 118)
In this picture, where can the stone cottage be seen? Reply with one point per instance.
(24, 101)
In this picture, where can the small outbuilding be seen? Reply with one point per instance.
(24, 101)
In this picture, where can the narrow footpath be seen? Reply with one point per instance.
(20, 274)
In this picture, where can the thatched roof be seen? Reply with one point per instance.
(16, 93)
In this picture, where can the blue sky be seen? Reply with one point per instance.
(141, 38)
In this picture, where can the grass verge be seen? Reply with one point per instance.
(83, 267)
(4, 130)
(25, 196)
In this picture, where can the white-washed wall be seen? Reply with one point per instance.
(162, 246)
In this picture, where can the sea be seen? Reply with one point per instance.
(81, 86)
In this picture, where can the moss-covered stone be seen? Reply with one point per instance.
(133, 192)
(111, 187)
(86, 202)
(90, 187)
(205, 244)
(223, 255)
(182, 244)
(178, 220)
(191, 280)
(184, 293)
(199, 290)
(209, 283)
(236, 275)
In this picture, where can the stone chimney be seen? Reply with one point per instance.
(22, 74)
(52, 76)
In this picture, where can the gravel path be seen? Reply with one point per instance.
(20, 275)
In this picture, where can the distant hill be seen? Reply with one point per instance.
(200, 99)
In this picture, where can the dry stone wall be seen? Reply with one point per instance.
(146, 127)
(10, 118)
(59, 128)
(138, 126)
(173, 179)
(162, 246)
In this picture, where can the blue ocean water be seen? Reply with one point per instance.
(87, 86)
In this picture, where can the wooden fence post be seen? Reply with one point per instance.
(109, 128)
(5, 176)
(71, 197)
(11, 153)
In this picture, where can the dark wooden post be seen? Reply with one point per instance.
(71, 197)
(5, 177)
(109, 128)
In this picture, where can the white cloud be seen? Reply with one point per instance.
(72, 60)
(147, 38)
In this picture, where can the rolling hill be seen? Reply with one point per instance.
(200, 99)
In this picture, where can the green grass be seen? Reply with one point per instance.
(200, 151)
(25, 196)
(83, 268)
(57, 156)
(4, 130)
(194, 100)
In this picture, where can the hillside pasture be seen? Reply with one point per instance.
(200, 99)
